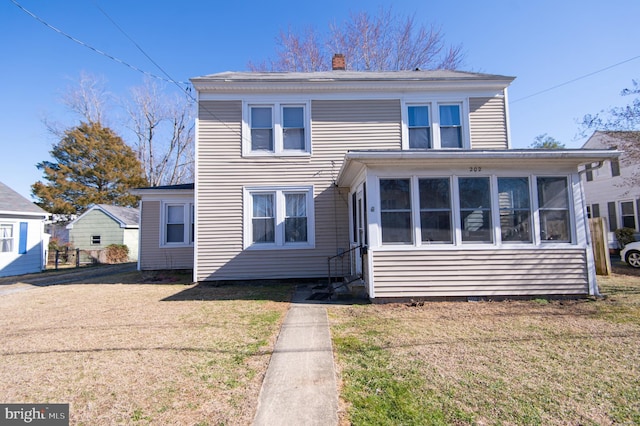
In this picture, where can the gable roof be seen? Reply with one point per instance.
(606, 138)
(13, 203)
(127, 217)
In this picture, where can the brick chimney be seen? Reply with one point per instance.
(338, 63)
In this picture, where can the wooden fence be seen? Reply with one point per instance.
(600, 243)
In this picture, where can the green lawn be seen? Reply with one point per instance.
(532, 362)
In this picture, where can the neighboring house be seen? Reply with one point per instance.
(23, 242)
(415, 167)
(102, 225)
(166, 227)
(608, 189)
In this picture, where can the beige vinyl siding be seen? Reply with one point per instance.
(504, 272)
(223, 173)
(152, 256)
(487, 117)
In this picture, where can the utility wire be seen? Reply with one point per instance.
(186, 91)
(138, 47)
(80, 42)
(574, 80)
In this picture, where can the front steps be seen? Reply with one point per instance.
(351, 287)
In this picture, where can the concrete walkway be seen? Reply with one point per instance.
(300, 385)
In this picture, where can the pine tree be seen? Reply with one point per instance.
(92, 165)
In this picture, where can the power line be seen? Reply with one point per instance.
(80, 42)
(574, 80)
(187, 92)
(138, 46)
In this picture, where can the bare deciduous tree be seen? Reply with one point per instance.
(623, 123)
(370, 43)
(164, 132)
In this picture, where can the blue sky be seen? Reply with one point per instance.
(542, 43)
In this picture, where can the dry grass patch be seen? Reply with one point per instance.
(140, 354)
(518, 362)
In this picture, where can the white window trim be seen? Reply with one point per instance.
(434, 117)
(278, 139)
(375, 202)
(279, 192)
(634, 205)
(14, 246)
(187, 205)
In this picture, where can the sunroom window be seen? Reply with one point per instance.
(395, 202)
(435, 210)
(515, 209)
(553, 205)
(475, 209)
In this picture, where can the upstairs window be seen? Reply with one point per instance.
(293, 128)
(450, 126)
(95, 240)
(276, 129)
(433, 125)
(419, 127)
(261, 129)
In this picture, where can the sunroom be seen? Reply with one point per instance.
(471, 223)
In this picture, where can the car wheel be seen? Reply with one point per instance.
(633, 258)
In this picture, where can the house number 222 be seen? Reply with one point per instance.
(475, 169)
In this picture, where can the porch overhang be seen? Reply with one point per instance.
(356, 162)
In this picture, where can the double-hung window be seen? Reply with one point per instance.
(261, 128)
(6, 238)
(419, 126)
(450, 126)
(279, 217)
(178, 224)
(433, 125)
(628, 213)
(276, 129)
(553, 207)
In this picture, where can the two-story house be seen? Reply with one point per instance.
(609, 187)
(413, 169)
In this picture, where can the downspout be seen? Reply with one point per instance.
(591, 273)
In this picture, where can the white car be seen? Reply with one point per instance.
(631, 254)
